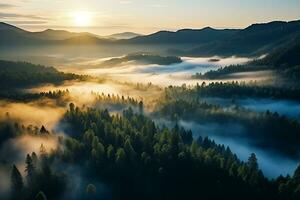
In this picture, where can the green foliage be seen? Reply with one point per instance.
(22, 74)
(265, 129)
(137, 159)
(142, 58)
(134, 150)
(90, 189)
(41, 196)
(232, 90)
(17, 184)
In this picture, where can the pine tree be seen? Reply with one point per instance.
(40, 196)
(252, 162)
(297, 174)
(194, 148)
(16, 183)
(110, 152)
(29, 169)
(90, 189)
(120, 156)
(129, 149)
(34, 159)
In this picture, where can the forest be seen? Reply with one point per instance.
(283, 60)
(133, 158)
(204, 113)
(113, 147)
(22, 74)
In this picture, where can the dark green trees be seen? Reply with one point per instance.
(252, 162)
(17, 184)
(30, 169)
(137, 158)
(40, 196)
(129, 157)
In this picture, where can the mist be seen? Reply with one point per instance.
(231, 135)
(33, 113)
(287, 108)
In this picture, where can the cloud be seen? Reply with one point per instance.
(126, 2)
(20, 16)
(158, 6)
(4, 5)
(26, 22)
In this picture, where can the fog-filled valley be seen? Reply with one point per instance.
(86, 117)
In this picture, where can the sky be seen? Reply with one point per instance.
(105, 17)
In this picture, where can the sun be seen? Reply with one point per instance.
(82, 18)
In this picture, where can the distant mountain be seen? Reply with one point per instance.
(184, 36)
(255, 39)
(125, 35)
(86, 39)
(12, 35)
(6, 27)
(51, 34)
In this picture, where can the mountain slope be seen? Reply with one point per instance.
(51, 34)
(11, 35)
(5, 26)
(204, 35)
(22, 74)
(255, 39)
(125, 35)
(283, 60)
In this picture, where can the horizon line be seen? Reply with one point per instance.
(65, 28)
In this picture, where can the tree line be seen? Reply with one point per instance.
(136, 159)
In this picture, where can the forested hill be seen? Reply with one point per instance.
(23, 74)
(284, 60)
(255, 39)
(284, 57)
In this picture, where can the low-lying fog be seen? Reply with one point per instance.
(268, 160)
(287, 108)
(232, 135)
(122, 80)
(164, 75)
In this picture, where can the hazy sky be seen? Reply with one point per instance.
(143, 16)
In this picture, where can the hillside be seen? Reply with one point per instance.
(22, 74)
(124, 35)
(184, 36)
(12, 35)
(141, 58)
(284, 60)
(255, 39)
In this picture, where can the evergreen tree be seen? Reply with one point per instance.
(120, 156)
(29, 169)
(297, 174)
(16, 183)
(40, 196)
(110, 152)
(252, 162)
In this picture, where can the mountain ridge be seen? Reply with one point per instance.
(257, 38)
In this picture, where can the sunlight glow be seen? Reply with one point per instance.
(82, 18)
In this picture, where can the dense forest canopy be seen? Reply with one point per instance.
(135, 159)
